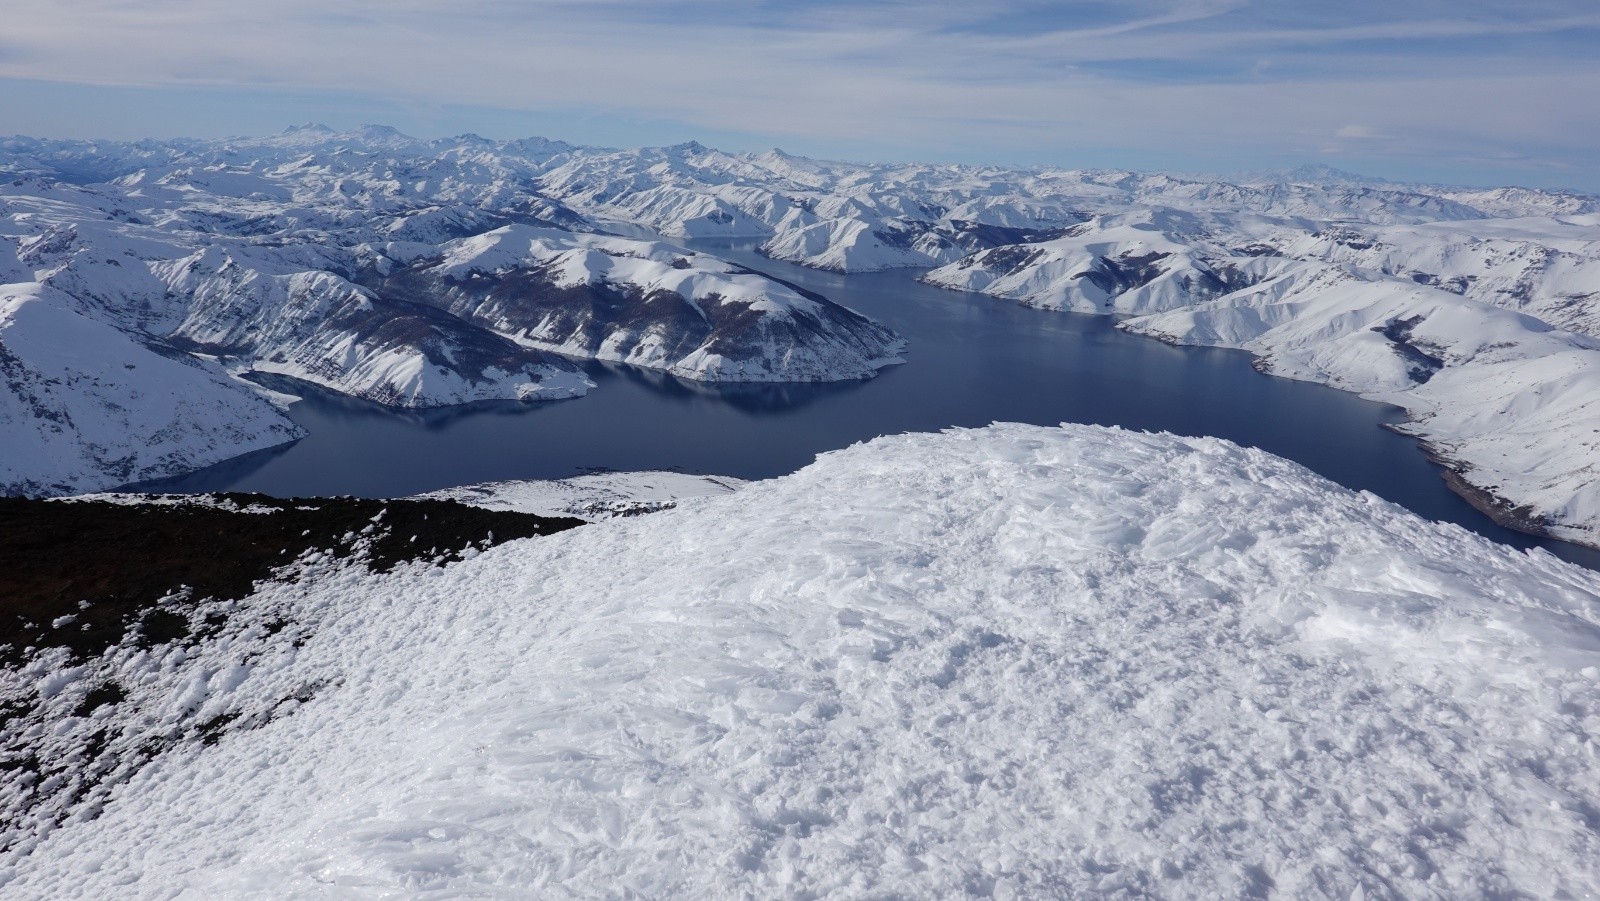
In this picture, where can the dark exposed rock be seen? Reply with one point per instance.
(1007, 259)
(1258, 250)
(88, 582)
(1420, 365)
(109, 566)
(1114, 275)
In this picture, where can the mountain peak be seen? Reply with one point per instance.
(380, 133)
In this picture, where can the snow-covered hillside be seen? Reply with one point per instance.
(1009, 662)
(1486, 331)
(642, 303)
(370, 264)
(85, 406)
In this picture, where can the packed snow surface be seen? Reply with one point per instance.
(1012, 661)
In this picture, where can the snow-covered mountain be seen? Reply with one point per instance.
(1327, 275)
(370, 264)
(640, 303)
(86, 406)
(1487, 331)
(426, 272)
(1010, 662)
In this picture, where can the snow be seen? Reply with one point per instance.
(273, 254)
(204, 501)
(593, 497)
(87, 407)
(1098, 268)
(1512, 402)
(689, 314)
(1012, 662)
(1484, 330)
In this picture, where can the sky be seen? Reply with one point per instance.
(1461, 91)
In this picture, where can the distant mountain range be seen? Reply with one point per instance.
(420, 272)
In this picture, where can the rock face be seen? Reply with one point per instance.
(1035, 662)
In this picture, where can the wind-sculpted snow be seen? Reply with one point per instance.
(1015, 661)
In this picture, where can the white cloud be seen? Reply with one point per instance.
(897, 74)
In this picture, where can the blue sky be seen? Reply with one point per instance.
(1468, 91)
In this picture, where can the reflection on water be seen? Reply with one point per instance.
(972, 361)
(752, 397)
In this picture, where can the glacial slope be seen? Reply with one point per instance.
(1013, 661)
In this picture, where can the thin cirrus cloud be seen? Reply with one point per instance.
(1488, 89)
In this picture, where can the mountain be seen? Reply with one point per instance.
(640, 303)
(327, 256)
(320, 255)
(86, 406)
(1017, 661)
(1486, 331)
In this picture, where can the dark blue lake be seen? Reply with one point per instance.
(973, 360)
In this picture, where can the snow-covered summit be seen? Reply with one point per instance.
(1014, 662)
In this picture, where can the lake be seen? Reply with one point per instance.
(973, 360)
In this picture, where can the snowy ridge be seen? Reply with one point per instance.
(858, 217)
(1510, 403)
(1140, 262)
(1486, 331)
(1012, 661)
(1548, 267)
